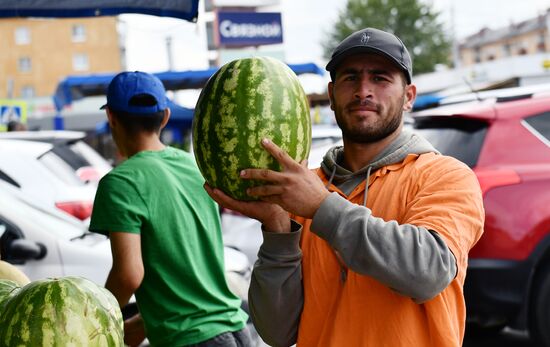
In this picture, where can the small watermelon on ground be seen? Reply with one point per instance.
(245, 101)
(67, 311)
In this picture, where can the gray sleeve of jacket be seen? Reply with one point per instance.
(275, 296)
(413, 261)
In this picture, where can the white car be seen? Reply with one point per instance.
(71, 147)
(46, 242)
(56, 169)
(244, 233)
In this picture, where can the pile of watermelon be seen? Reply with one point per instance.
(67, 311)
(245, 101)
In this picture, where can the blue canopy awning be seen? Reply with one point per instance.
(73, 88)
(181, 117)
(183, 9)
(426, 101)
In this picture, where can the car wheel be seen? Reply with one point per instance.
(539, 322)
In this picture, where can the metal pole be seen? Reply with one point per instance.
(169, 53)
(456, 52)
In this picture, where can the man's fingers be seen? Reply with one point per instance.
(210, 192)
(281, 156)
(263, 175)
(265, 190)
(221, 198)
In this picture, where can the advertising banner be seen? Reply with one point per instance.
(237, 29)
(184, 9)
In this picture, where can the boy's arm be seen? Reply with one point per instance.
(127, 271)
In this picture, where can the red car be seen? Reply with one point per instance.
(506, 141)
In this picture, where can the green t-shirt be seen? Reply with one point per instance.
(184, 298)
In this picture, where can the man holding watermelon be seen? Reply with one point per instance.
(375, 249)
(164, 230)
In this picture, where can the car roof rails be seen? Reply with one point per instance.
(499, 95)
(514, 97)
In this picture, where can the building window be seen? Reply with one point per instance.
(79, 33)
(477, 54)
(80, 62)
(541, 45)
(507, 50)
(24, 64)
(22, 36)
(27, 92)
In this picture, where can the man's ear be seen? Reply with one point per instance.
(110, 117)
(410, 97)
(330, 94)
(166, 117)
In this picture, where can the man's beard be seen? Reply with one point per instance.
(375, 132)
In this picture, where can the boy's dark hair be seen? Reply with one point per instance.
(135, 123)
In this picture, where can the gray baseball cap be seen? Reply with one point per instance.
(370, 40)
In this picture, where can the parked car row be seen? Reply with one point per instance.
(47, 186)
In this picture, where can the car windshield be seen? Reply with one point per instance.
(60, 168)
(461, 138)
(88, 165)
(91, 156)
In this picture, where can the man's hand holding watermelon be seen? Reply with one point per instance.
(295, 189)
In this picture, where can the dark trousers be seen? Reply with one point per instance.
(240, 338)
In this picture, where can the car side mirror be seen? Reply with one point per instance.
(21, 250)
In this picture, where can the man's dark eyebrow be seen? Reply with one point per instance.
(349, 70)
(379, 71)
(352, 70)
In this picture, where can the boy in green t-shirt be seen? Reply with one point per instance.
(164, 229)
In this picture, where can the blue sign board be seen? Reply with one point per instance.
(9, 113)
(12, 110)
(249, 28)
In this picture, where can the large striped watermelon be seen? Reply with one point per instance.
(244, 101)
(68, 311)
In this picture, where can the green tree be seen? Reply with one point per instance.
(413, 21)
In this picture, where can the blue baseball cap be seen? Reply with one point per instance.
(127, 85)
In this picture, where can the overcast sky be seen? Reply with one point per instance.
(305, 24)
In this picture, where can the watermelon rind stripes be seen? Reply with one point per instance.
(245, 101)
(66, 311)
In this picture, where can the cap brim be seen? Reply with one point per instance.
(334, 62)
(103, 107)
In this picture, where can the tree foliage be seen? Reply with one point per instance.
(413, 21)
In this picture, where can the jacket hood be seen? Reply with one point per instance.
(406, 143)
